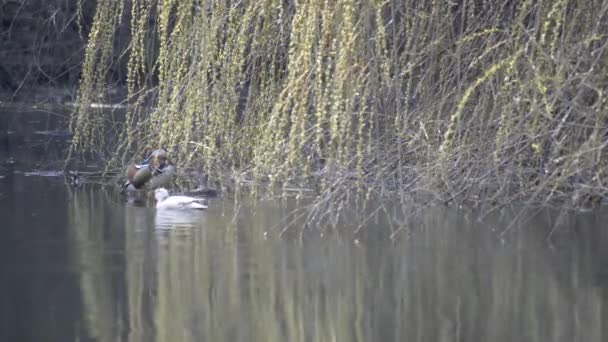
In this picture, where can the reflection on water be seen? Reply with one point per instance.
(84, 265)
(179, 219)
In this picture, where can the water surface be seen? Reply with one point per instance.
(86, 264)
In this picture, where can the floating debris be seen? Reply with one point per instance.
(100, 105)
(203, 191)
(54, 133)
(44, 174)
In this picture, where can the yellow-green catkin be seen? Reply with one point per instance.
(375, 96)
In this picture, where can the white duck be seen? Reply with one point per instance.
(164, 201)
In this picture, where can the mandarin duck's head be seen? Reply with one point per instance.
(159, 159)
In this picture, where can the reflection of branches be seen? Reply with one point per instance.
(85, 228)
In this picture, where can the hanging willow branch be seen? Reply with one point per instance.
(378, 94)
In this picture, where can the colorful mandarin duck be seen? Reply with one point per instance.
(155, 171)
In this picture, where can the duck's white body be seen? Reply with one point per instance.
(164, 201)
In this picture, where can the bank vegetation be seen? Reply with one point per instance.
(483, 102)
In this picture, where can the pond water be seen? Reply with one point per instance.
(85, 264)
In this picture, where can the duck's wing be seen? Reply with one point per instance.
(189, 202)
(197, 205)
(163, 178)
(137, 175)
(141, 177)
